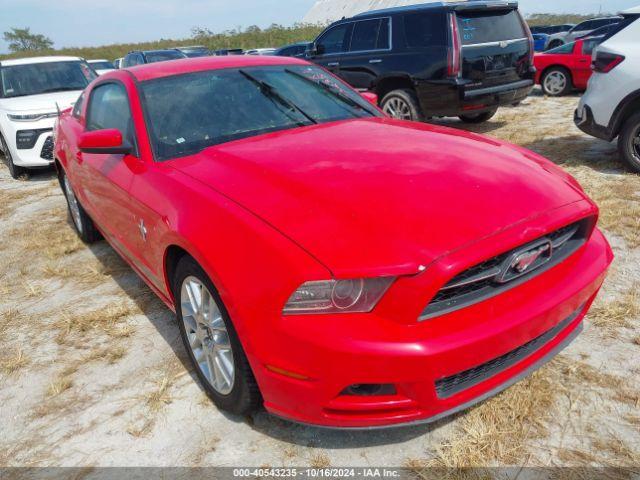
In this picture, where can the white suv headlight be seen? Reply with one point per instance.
(337, 296)
(32, 117)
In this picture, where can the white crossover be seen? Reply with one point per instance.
(32, 90)
(610, 108)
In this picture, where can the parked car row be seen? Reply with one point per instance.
(554, 36)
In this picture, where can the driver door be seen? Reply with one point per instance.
(106, 178)
(330, 47)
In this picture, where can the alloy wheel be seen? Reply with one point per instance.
(74, 207)
(397, 108)
(207, 334)
(555, 83)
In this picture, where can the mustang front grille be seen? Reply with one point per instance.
(450, 386)
(508, 270)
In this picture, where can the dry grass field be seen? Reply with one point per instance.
(93, 373)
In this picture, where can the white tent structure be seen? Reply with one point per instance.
(326, 11)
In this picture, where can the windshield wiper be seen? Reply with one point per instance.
(272, 93)
(328, 88)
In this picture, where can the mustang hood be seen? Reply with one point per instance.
(44, 103)
(365, 195)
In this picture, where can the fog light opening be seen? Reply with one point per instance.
(369, 390)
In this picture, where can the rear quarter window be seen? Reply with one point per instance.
(487, 27)
(425, 30)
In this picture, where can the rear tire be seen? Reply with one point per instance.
(212, 342)
(479, 117)
(402, 104)
(15, 171)
(629, 142)
(556, 82)
(85, 228)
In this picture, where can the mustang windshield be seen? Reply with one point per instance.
(218, 106)
(38, 78)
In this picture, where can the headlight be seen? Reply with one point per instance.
(337, 296)
(31, 117)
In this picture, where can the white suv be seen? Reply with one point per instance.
(611, 106)
(31, 92)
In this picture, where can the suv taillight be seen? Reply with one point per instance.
(604, 62)
(455, 51)
(527, 31)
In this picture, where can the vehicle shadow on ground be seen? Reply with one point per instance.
(334, 439)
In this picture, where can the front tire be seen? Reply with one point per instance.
(479, 117)
(629, 142)
(556, 82)
(85, 228)
(402, 105)
(212, 342)
(15, 171)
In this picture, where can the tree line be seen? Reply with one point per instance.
(22, 42)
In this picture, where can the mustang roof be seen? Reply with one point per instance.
(151, 71)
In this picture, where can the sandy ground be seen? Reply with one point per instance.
(93, 372)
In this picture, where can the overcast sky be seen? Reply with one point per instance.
(91, 23)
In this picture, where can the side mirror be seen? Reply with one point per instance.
(371, 98)
(107, 142)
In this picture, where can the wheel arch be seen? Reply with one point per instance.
(393, 82)
(627, 107)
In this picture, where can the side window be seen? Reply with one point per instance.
(334, 41)
(585, 26)
(77, 108)
(109, 108)
(370, 35)
(589, 45)
(425, 30)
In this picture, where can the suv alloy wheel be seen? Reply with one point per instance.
(402, 105)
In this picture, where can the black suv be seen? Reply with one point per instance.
(434, 60)
(140, 57)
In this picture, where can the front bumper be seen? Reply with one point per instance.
(41, 153)
(331, 353)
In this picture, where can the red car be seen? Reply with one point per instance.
(565, 68)
(338, 267)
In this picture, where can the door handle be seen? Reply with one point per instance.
(333, 64)
(375, 60)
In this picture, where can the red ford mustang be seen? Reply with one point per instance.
(336, 266)
(565, 68)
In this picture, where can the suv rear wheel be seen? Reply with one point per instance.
(478, 117)
(629, 142)
(402, 104)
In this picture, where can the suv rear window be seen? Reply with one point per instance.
(425, 30)
(487, 27)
